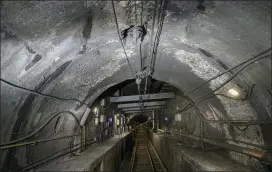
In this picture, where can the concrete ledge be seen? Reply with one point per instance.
(91, 158)
(210, 160)
(179, 157)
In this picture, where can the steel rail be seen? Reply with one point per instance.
(156, 154)
(133, 157)
(149, 156)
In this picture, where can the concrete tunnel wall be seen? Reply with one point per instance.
(71, 49)
(189, 122)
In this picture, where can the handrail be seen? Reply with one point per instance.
(39, 129)
(35, 142)
(49, 158)
(149, 156)
(260, 154)
(224, 139)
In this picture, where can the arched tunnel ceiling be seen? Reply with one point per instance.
(71, 49)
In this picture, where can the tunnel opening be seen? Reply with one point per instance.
(138, 119)
(138, 113)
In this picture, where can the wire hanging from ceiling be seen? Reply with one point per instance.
(158, 35)
(153, 50)
(222, 73)
(42, 94)
(118, 32)
(152, 29)
(135, 10)
(209, 95)
(142, 9)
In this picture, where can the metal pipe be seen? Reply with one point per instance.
(83, 138)
(232, 122)
(247, 151)
(85, 116)
(152, 33)
(201, 133)
(222, 73)
(231, 78)
(226, 139)
(34, 142)
(238, 141)
(229, 122)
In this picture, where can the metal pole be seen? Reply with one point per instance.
(83, 138)
(201, 133)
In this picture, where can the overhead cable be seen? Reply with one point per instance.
(153, 27)
(234, 75)
(142, 7)
(222, 73)
(135, 7)
(194, 104)
(118, 32)
(42, 126)
(157, 37)
(42, 94)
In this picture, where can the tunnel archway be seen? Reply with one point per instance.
(71, 50)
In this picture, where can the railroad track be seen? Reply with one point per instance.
(144, 156)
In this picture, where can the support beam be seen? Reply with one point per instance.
(136, 114)
(137, 111)
(128, 105)
(145, 97)
(145, 108)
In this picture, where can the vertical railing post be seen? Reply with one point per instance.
(201, 133)
(83, 138)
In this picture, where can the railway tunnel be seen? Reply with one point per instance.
(159, 85)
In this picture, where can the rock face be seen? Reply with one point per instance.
(72, 50)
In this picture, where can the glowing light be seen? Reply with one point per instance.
(233, 92)
(166, 118)
(95, 110)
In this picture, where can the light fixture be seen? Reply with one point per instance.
(166, 118)
(233, 92)
(95, 110)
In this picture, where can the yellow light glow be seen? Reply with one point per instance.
(233, 92)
